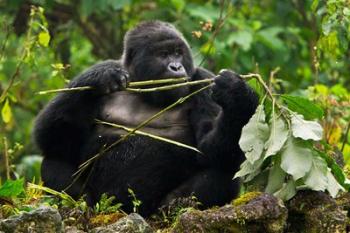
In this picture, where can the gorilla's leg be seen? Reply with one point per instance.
(211, 187)
(58, 175)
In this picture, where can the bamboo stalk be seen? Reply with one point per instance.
(65, 90)
(169, 87)
(139, 132)
(131, 84)
(160, 81)
(87, 163)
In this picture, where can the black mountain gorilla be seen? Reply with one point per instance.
(156, 171)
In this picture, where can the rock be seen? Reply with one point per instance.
(72, 229)
(41, 220)
(264, 213)
(133, 223)
(311, 211)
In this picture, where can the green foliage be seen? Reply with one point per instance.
(6, 112)
(106, 205)
(12, 188)
(303, 106)
(294, 163)
(45, 47)
(136, 202)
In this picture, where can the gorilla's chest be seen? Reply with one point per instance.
(129, 110)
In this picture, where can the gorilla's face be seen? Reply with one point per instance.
(169, 58)
(158, 51)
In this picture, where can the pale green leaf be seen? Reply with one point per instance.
(249, 170)
(254, 135)
(306, 129)
(278, 136)
(44, 38)
(333, 186)
(276, 178)
(317, 179)
(287, 191)
(6, 112)
(296, 158)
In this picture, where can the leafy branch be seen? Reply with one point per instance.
(280, 150)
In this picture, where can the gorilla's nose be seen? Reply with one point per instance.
(176, 68)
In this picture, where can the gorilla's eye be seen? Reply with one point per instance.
(178, 52)
(163, 53)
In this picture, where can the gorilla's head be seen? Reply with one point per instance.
(156, 50)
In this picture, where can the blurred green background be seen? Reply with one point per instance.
(44, 44)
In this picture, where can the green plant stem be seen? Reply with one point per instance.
(138, 90)
(65, 90)
(26, 51)
(87, 163)
(159, 81)
(169, 87)
(139, 132)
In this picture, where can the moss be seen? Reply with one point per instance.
(245, 198)
(105, 219)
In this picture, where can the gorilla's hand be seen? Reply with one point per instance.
(230, 90)
(105, 77)
(110, 80)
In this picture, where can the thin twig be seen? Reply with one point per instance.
(219, 25)
(65, 90)
(169, 87)
(162, 88)
(87, 163)
(4, 43)
(26, 50)
(272, 76)
(159, 81)
(139, 132)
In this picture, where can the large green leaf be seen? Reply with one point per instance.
(317, 179)
(254, 135)
(336, 170)
(287, 191)
(296, 158)
(249, 170)
(276, 177)
(12, 188)
(303, 106)
(278, 136)
(307, 130)
(333, 186)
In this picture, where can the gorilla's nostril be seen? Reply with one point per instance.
(175, 67)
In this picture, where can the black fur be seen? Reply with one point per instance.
(157, 172)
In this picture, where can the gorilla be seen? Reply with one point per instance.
(67, 134)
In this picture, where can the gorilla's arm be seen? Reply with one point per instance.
(62, 126)
(218, 132)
